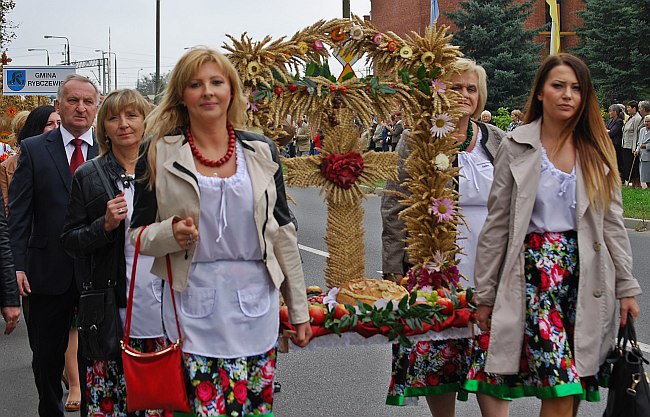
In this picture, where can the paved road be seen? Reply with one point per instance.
(323, 382)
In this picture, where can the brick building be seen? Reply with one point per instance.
(404, 16)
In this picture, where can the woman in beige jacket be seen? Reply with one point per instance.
(554, 256)
(213, 201)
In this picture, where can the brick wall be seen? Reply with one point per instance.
(404, 16)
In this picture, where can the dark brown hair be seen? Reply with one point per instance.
(595, 151)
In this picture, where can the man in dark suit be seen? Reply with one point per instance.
(38, 198)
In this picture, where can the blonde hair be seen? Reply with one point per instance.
(593, 145)
(114, 103)
(463, 65)
(171, 114)
(17, 124)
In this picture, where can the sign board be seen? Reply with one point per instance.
(34, 81)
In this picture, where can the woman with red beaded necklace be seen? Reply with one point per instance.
(213, 200)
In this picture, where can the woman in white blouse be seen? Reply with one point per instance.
(214, 204)
(554, 225)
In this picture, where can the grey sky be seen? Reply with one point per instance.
(184, 23)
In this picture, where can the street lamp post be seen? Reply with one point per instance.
(138, 81)
(67, 42)
(47, 53)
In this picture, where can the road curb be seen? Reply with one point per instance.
(636, 224)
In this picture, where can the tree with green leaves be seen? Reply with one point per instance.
(147, 84)
(7, 27)
(493, 33)
(614, 45)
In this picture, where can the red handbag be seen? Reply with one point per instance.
(154, 380)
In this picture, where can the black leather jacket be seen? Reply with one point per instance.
(8, 284)
(83, 233)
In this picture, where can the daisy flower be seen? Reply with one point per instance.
(438, 86)
(441, 162)
(443, 208)
(441, 125)
(356, 33)
(377, 38)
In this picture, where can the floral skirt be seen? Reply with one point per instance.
(547, 367)
(428, 368)
(106, 388)
(230, 387)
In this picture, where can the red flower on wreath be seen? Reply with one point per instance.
(4, 157)
(240, 391)
(206, 392)
(11, 111)
(106, 405)
(342, 169)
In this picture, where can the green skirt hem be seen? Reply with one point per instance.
(420, 392)
(505, 392)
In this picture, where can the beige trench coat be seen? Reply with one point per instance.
(178, 197)
(604, 252)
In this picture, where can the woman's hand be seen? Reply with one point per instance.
(484, 317)
(185, 233)
(303, 334)
(629, 304)
(116, 211)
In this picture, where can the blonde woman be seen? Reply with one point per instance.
(213, 199)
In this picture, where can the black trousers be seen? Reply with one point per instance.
(50, 318)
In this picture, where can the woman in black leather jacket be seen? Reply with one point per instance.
(9, 299)
(96, 223)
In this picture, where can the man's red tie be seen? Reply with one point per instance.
(77, 156)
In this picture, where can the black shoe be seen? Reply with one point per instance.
(277, 387)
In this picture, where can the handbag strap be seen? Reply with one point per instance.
(129, 303)
(102, 177)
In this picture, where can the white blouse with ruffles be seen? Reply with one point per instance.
(555, 202)
(230, 308)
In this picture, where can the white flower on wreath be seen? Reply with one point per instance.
(441, 125)
(441, 162)
(356, 32)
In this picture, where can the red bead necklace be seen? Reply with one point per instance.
(210, 162)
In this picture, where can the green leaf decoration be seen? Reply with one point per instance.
(277, 76)
(422, 72)
(424, 87)
(386, 89)
(406, 79)
(311, 69)
(260, 95)
(435, 72)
